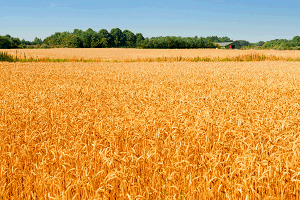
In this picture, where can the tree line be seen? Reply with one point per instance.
(125, 39)
(278, 44)
(117, 38)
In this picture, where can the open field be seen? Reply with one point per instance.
(132, 54)
(177, 130)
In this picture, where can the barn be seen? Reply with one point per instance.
(226, 45)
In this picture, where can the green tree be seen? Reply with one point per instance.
(72, 41)
(95, 42)
(213, 39)
(60, 37)
(296, 40)
(103, 33)
(285, 46)
(56, 38)
(118, 37)
(260, 43)
(98, 41)
(139, 39)
(225, 39)
(201, 43)
(105, 38)
(37, 40)
(277, 44)
(87, 37)
(78, 32)
(209, 44)
(48, 41)
(170, 42)
(15, 42)
(5, 42)
(24, 42)
(8, 36)
(241, 43)
(130, 38)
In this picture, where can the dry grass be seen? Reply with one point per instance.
(19, 57)
(142, 54)
(150, 130)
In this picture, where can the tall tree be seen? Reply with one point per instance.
(105, 38)
(240, 43)
(8, 36)
(15, 42)
(78, 32)
(96, 41)
(5, 42)
(130, 38)
(37, 40)
(260, 43)
(72, 41)
(87, 37)
(118, 37)
(296, 40)
(225, 39)
(201, 43)
(139, 38)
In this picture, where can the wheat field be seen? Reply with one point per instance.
(180, 130)
(111, 54)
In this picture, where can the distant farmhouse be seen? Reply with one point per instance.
(226, 45)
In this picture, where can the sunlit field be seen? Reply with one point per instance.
(179, 130)
(133, 54)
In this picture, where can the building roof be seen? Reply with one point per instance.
(224, 44)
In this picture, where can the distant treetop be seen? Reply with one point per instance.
(117, 38)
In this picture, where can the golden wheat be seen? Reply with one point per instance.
(150, 130)
(141, 54)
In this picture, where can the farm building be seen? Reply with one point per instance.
(226, 45)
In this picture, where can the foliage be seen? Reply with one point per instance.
(37, 40)
(4, 56)
(217, 39)
(278, 44)
(139, 39)
(260, 43)
(5, 43)
(15, 42)
(72, 41)
(117, 37)
(172, 42)
(105, 38)
(240, 43)
(130, 38)
(127, 39)
(24, 42)
(78, 32)
(296, 41)
(8, 42)
(87, 38)
(297, 48)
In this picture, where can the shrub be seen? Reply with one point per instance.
(44, 46)
(4, 56)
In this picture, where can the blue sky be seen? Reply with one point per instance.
(251, 20)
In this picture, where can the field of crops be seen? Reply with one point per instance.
(133, 54)
(171, 130)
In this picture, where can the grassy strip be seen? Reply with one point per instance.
(240, 58)
(4, 56)
(53, 60)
